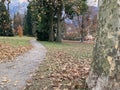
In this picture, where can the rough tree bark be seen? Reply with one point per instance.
(51, 33)
(59, 14)
(59, 26)
(105, 69)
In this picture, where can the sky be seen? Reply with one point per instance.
(18, 6)
(21, 1)
(92, 3)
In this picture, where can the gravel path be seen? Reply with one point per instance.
(13, 75)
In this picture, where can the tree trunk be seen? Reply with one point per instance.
(82, 30)
(105, 69)
(51, 34)
(59, 26)
(8, 6)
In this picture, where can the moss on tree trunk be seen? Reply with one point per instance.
(105, 69)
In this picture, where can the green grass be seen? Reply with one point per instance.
(15, 41)
(78, 50)
(54, 45)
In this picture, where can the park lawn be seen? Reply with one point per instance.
(10, 47)
(16, 41)
(65, 67)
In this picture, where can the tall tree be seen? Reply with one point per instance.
(47, 16)
(8, 3)
(105, 69)
(59, 14)
(77, 8)
(5, 23)
(50, 11)
(80, 8)
(28, 22)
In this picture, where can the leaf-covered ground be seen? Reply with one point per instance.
(65, 67)
(10, 47)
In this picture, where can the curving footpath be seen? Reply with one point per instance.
(13, 75)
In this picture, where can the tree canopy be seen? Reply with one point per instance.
(5, 27)
(46, 16)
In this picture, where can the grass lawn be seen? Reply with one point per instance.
(10, 47)
(65, 67)
(15, 41)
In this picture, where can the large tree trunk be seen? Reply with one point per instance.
(59, 14)
(105, 69)
(51, 34)
(59, 26)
